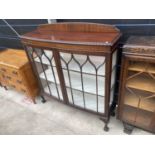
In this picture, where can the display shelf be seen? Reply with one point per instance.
(89, 82)
(53, 90)
(50, 76)
(141, 67)
(90, 100)
(145, 104)
(142, 83)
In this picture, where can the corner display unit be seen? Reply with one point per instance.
(76, 64)
(137, 90)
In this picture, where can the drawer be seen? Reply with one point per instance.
(3, 69)
(21, 88)
(14, 73)
(14, 80)
(10, 71)
(18, 87)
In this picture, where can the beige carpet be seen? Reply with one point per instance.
(19, 116)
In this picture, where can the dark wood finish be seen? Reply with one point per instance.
(136, 94)
(16, 72)
(75, 38)
(140, 45)
(60, 74)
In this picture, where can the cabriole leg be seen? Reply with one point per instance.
(106, 121)
(112, 109)
(5, 88)
(106, 128)
(43, 99)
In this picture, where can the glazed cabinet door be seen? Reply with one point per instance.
(81, 80)
(138, 92)
(43, 61)
(85, 80)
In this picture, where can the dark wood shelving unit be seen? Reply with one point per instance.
(137, 88)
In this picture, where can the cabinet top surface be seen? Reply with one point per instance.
(75, 33)
(134, 41)
(140, 45)
(13, 58)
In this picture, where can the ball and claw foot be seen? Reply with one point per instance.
(5, 88)
(43, 99)
(113, 113)
(127, 131)
(128, 128)
(106, 128)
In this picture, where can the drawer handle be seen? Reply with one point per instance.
(4, 70)
(13, 86)
(14, 72)
(18, 81)
(8, 77)
(23, 90)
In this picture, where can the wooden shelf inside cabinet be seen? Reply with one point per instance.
(142, 83)
(145, 104)
(88, 80)
(78, 58)
(141, 67)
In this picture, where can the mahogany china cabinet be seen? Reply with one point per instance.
(137, 87)
(75, 63)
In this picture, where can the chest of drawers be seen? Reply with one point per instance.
(16, 72)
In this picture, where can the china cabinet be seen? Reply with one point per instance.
(76, 64)
(137, 85)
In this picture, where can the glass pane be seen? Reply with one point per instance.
(46, 69)
(114, 59)
(140, 92)
(113, 76)
(85, 80)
